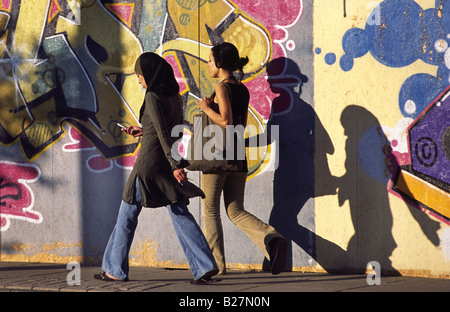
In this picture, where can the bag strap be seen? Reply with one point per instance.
(230, 95)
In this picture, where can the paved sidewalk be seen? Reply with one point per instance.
(38, 284)
(20, 277)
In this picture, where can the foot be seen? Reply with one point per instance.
(108, 278)
(206, 279)
(278, 252)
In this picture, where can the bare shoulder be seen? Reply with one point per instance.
(220, 87)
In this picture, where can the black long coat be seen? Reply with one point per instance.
(155, 164)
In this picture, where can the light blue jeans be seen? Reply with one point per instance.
(192, 240)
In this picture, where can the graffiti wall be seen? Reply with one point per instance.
(381, 79)
(357, 170)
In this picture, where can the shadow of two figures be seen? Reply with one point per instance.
(303, 174)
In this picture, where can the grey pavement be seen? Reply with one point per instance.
(44, 277)
(30, 285)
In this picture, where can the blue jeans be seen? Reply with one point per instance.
(192, 240)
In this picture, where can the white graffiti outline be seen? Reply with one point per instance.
(285, 28)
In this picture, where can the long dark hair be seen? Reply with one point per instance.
(226, 56)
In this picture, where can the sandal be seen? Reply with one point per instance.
(103, 277)
(206, 279)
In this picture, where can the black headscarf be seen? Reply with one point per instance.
(158, 75)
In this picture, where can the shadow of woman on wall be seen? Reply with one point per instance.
(370, 165)
(303, 145)
(303, 174)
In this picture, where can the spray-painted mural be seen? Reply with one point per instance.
(67, 78)
(69, 75)
(75, 65)
(391, 64)
(17, 198)
(397, 34)
(65, 70)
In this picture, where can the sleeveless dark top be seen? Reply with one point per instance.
(240, 98)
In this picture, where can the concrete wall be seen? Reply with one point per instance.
(360, 169)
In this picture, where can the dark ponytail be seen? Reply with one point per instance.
(240, 65)
(226, 56)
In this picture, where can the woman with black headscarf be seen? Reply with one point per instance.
(158, 178)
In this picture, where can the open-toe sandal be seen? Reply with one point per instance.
(103, 277)
(207, 279)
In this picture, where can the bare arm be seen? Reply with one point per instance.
(224, 117)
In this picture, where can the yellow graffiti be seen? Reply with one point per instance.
(80, 69)
(44, 253)
(424, 192)
(41, 122)
(195, 26)
(123, 48)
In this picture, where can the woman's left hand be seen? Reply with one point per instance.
(133, 131)
(180, 175)
(204, 103)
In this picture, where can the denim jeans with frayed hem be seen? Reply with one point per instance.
(192, 240)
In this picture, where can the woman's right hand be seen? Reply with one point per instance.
(204, 103)
(133, 131)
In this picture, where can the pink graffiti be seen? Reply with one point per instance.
(97, 163)
(16, 197)
(402, 159)
(277, 17)
(5, 5)
(78, 142)
(177, 72)
(127, 162)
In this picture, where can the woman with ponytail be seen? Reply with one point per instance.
(229, 106)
